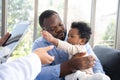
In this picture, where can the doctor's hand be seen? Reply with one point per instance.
(44, 56)
(4, 38)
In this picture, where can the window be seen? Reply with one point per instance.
(78, 10)
(20, 11)
(52, 5)
(0, 16)
(105, 23)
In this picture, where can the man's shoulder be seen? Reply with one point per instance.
(39, 42)
(40, 39)
(87, 44)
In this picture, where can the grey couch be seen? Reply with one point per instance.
(110, 60)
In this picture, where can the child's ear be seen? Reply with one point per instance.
(82, 41)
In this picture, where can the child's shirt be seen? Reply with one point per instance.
(72, 50)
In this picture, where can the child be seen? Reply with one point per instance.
(78, 36)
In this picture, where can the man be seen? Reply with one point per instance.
(26, 68)
(49, 20)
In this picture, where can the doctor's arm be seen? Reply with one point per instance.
(26, 68)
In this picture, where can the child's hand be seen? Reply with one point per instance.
(47, 36)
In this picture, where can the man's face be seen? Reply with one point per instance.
(55, 26)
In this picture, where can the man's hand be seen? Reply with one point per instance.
(80, 63)
(76, 63)
(44, 56)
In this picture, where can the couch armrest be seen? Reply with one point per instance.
(110, 60)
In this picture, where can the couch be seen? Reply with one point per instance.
(110, 60)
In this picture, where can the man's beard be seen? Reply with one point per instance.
(61, 35)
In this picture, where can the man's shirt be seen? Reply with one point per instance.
(52, 71)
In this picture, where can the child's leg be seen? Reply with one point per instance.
(79, 75)
(97, 76)
(75, 76)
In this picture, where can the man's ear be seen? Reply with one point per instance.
(82, 41)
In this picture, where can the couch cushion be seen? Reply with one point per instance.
(110, 59)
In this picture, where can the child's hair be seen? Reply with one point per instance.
(83, 28)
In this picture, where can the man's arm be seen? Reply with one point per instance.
(76, 63)
(58, 71)
(97, 67)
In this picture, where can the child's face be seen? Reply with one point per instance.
(74, 38)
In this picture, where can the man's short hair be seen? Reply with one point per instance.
(45, 14)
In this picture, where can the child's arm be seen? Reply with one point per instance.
(67, 47)
(71, 49)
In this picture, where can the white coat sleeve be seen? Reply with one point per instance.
(25, 68)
